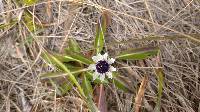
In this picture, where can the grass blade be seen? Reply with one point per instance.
(138, 54)
(100, 32)
(87, 87)
(47, 57)
(71, 77)
(59, 74)
(74, 46)
(78, 57)
(55, 86)
(159, 74)
(121, 85)
(64, 58)
(29, 2)
(65, 87)
(71, 56)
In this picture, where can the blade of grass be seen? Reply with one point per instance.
(159, 75)
(120, 85)
(29, 2)
(56, 87)
(59, 74)
(87, 87)
(100, 32)
(138, 54)
(78, 57)
(74, 46)
(65, 87)
(72, 56)
(71, 77)
(28, 18)
(47, 57)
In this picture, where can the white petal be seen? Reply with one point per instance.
(111, 61)
(100, 57)
(105, 56)
(95, 58)
(109, 74)
(95, 75)
(102, 77)
(92, 67)
(112, 69)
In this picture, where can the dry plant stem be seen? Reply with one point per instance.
(48, 10)
(140, 95)
(101, 99)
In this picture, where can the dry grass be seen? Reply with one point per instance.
(21, 89)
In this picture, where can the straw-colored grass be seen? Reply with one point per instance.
(27, 29)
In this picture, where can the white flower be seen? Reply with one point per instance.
(102, 66)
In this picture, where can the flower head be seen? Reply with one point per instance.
(102, 66)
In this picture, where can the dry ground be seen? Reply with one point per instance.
(175, 23)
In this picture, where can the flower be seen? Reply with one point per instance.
(102, 66)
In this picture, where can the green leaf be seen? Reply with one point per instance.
(78, 57)
(28, 18)
(100, 31)
(87, 87)
(159, 74)
(65, 87)
(120, 85)
(29, 2)
(63, 58)
(55, 86)
(73, 68)
(52, 74)
(29, 40)
(69, 57)
(66, 70)
(138, 54)
(59, 74)
(74, 46)
(47, 57)
(61, 88)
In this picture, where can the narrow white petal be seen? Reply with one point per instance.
(102, 77)
(92, 67)
(95, 75)
(99, 57)
(95, 58)
(111, 61)
(109, 74)
(112, 69)
(105, 56)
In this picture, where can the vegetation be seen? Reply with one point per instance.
(47, 47)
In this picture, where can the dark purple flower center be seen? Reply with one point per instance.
(102, 66)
